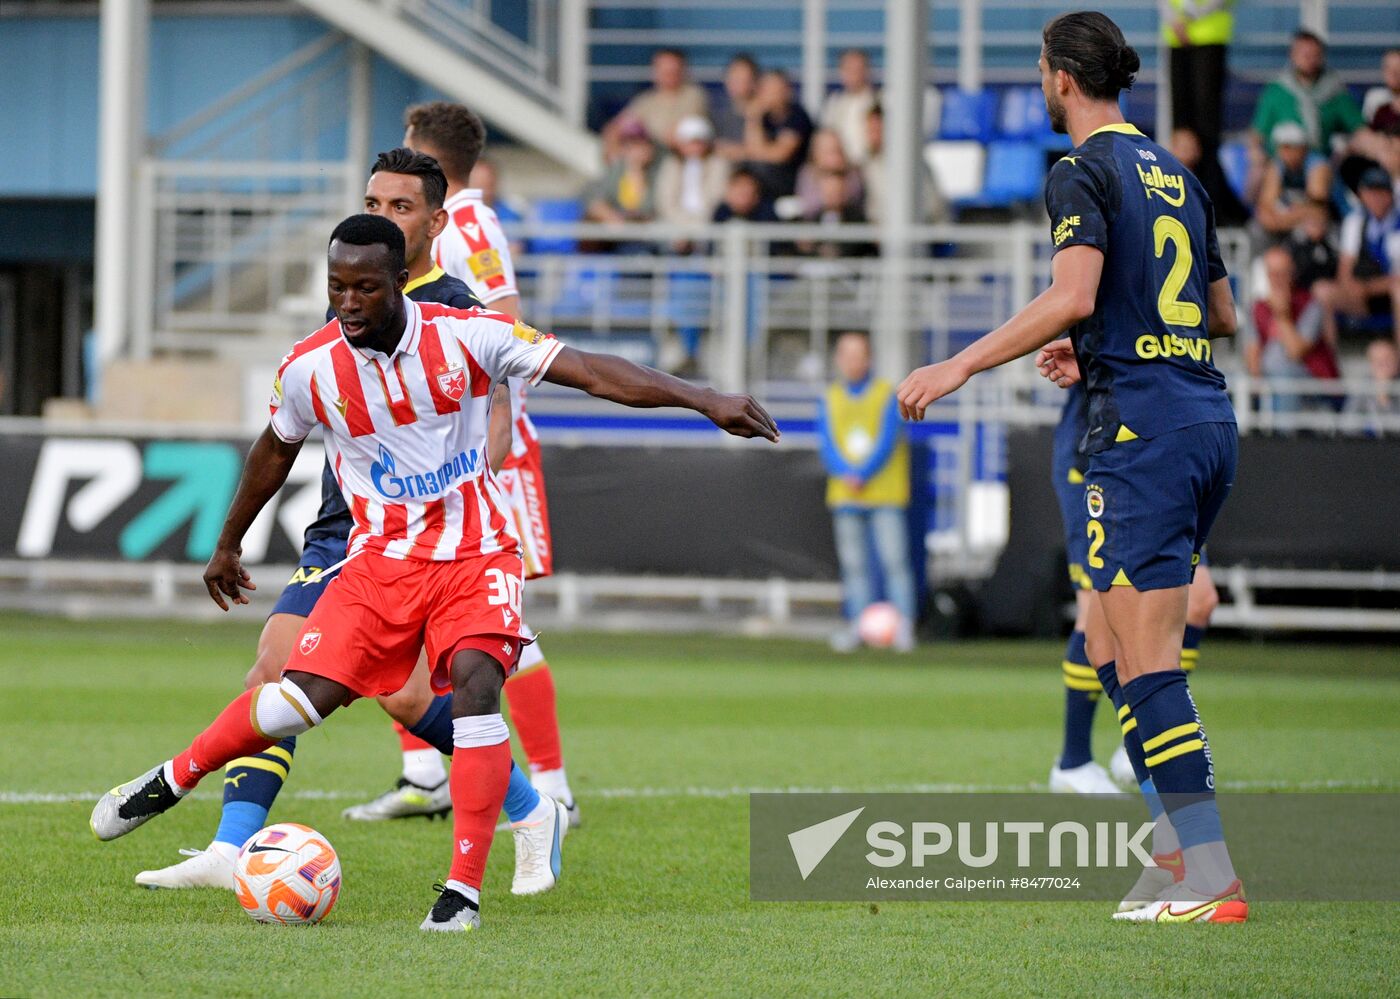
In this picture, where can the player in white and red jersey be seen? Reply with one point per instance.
(473, 247)
(402, 391)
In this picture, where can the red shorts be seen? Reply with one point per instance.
(367, 628)
(522, 483)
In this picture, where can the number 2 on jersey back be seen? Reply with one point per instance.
(1173, 310)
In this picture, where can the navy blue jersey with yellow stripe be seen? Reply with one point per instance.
(1144, 353)
(333, 520)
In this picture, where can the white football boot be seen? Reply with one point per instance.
(452, 913)
(200, 869)
(1087, 778)
(1122, 769)
(1179, 904)
(134, 803)
(404, 800)
(538, 860)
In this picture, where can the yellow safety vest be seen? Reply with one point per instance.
(1214, 28)
(854, 420)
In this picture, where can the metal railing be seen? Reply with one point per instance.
(999, 37)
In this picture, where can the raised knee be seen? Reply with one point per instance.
(476, 684)
(282, 709)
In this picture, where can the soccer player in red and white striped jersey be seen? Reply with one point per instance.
(401, 391)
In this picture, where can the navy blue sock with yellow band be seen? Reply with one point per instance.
(251, 784)
(1082, 691)
(1191, 647)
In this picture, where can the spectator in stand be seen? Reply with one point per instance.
(835, 208)
(776, 134)
(661, 106)
(934, 206)
(1379, 141)
(1308, 94)
(1186, 146)
(1388, 93)
(1368, 274)
(691, 183)
(740, 82)
(867, 489)
(826, 155)
(486, 179)
(1295, 336)
(1296, 181)
(1383, 399)
(1314, 255)
(846, 110)
(744, 200)
(1197, 33)
(627, 190)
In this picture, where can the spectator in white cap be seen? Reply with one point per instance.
(1297, 182)
(691, 183)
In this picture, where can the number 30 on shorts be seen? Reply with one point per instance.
(503, 589)
(1095, 530)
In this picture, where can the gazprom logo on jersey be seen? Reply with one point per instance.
(391, 485)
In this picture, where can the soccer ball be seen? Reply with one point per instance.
(878, 625)
(289, 874)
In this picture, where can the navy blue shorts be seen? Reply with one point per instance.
(1150, 505)
(1069, 490)
(309, 581)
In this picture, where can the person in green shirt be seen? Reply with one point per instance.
(1310, 95)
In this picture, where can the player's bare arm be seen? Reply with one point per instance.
(499, 433)
(1221, 318)
(619, 380)
(266, 470)
(1074, 286)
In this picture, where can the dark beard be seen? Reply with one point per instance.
(1058, 120)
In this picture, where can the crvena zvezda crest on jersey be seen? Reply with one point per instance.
(452, 380)
(309, 641)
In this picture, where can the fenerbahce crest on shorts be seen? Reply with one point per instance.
(1093, 499)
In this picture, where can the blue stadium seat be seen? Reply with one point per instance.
(1234, 160)
(1015, 174)
(556, 210)
(968, 115)
(1023, 114)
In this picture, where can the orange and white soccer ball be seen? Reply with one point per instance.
(878, 625)
(289, 874)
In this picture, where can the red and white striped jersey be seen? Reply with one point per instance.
(406, 433)
(473, 247)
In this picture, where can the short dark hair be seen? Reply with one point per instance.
(405, 161)
(455, 133)
(668, 51)
(373, 230)
(1090, 47)
(855, 52)
(744, 172)
(1306, 35)
(743, 59)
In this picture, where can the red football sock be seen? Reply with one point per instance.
(531, 698)
(232, 735)
(479, 778)
(409, 742)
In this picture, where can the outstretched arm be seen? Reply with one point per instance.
(265, 471)
(621, 381)
(1074, 287)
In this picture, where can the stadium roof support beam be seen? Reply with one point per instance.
(906, 69)
(813, 56)
(970, 45)
(124, 28)
(422, 55)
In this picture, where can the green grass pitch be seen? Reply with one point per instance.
(662, 737)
